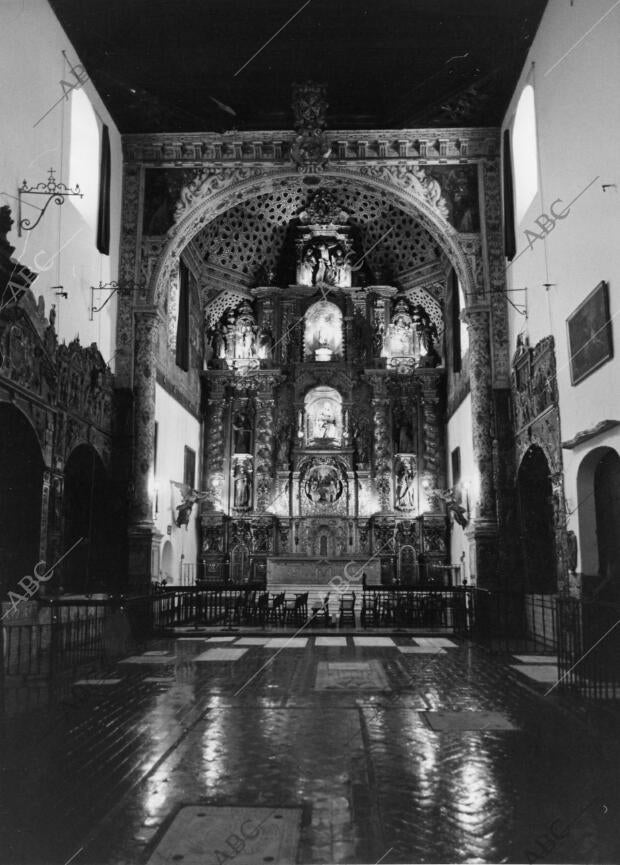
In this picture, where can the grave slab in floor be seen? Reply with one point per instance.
(538, 672)
(220, 655)
(421, 650)
(151, 659)
(287, 643)
(201, 834)
(436, 642)
(352, 675)
(221, 639)
(330, 641)
(453, 722)
(536, 659)
(384, 642)
(252, 641)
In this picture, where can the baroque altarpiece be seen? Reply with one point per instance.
(324, 419)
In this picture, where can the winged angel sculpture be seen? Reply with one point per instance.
(189, 498)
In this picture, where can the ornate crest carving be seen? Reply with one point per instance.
(310, 149)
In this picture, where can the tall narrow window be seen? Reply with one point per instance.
(155, 437)
(525, 152)
(456, 466)
(456, 323)
(103, 213)
(182, 352)
(460, 334)
(510, 243)
(189, 467)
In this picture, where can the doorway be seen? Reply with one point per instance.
(537, 532)
(607, 510)
(21, 480)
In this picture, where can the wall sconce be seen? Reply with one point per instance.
(56, 192)
(112, 287)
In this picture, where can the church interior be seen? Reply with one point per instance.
(309, 431)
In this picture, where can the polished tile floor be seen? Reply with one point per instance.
(391, 749)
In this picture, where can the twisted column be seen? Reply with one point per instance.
(381, 441)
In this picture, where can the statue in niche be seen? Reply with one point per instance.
(427, 333)
(265, 344)
(323, 271)
(378, 339)
(308, 265)
(284, 444)
(325, 263)
(326, 422)
(404, 440)
(242, 488)
(405, 489)
(242, 433)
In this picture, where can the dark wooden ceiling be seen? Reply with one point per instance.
(160, 64)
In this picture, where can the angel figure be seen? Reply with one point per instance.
(190, 497)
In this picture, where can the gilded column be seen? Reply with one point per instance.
(381, 442)
(214, 475)
(264, 454)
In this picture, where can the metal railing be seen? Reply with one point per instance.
(66, 633)
(403, 607)
(514, 622)
(589, 648)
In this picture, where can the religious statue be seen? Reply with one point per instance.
(308, 264)
(326, 422)
(360, 437)
(405, 490)
(242, 488)
(265, 344)
(242, 428)
(284, 444)
(404, 440)
(189, 499)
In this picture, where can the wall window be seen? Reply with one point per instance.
(510, 241)
(189, 467)
(525, 152)
(460, 333)
(84, 157)
(182, 347)
(455, 459)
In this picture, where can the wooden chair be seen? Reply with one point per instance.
(347, 609)
(277, 608)
(318, 609)
(261, 610)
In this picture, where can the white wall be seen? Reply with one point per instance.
(176, 430)
(31, 42)
(459, 434)
(576, 56)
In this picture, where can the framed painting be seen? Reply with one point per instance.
(589, 334)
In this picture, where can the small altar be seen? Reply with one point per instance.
(315, 570)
